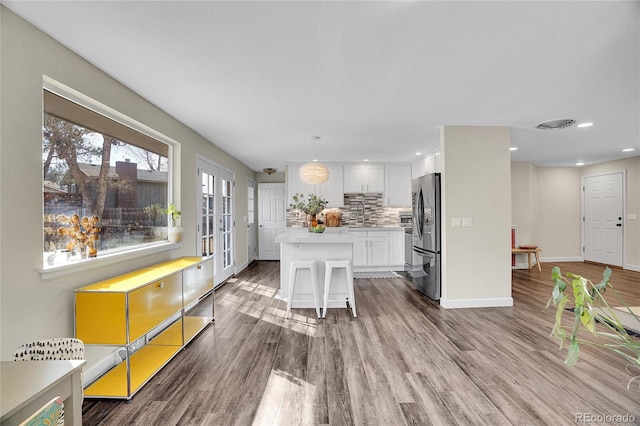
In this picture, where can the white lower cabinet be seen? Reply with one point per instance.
(396, 251)
(378, 250)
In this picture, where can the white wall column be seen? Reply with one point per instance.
(476, 217)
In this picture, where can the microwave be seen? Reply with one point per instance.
(406, 219)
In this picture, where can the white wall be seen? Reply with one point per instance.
(559, 213)
(524, 200)
(30, 307)
(476, 183)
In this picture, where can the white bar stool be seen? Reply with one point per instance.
(330, 265)
(295, 266)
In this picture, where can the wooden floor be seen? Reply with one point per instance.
(403, 361)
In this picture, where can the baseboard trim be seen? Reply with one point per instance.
(561, 259)
(242, 267)
(632, 267)
(476, 303)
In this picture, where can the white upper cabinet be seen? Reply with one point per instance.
(397, 185)
(332, 190)
(426, 165)
(363, 178)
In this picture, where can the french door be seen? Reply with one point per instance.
(216, 227)
(251, 221)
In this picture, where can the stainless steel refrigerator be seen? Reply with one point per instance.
(426, 235)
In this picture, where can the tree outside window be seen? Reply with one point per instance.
(92, 174)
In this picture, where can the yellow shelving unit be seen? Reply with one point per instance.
(143, 314)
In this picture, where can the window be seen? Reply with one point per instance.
(105, 188)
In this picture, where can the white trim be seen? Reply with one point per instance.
(106, 260)
(476, 303)
(632, 267)
(562, 259)
(240, 268)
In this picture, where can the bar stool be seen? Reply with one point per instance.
(330, 265)
(294, 267)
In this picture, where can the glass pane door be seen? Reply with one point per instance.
(226, 230)
(216, 227)
(208, 230)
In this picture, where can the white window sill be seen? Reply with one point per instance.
(105, 260)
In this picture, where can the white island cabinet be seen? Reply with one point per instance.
(299, 243)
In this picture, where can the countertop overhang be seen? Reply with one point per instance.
(302, 235)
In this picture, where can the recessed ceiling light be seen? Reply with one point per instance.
(513, 148)
(585, 124)
(418, 153)
(628, 149)
(366, 159)
(579, 164)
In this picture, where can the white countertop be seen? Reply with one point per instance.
(374, 228)
(302, 235)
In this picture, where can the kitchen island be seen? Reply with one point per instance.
(299, 243)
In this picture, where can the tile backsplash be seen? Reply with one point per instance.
(374, 213)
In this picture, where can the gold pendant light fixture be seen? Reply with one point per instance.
(314, 173)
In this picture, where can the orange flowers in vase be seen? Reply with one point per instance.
(82, 232)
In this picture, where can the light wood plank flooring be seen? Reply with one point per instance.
(403, 361)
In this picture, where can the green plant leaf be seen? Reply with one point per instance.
(602, 285)
(588, 320)
(572, 354)
(556, 274)
(578, 290)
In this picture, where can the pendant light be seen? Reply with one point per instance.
(314, 173)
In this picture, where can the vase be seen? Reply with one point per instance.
(313, 222)
(175, 234)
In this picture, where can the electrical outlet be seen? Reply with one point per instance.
(455, 222)
(466, 221)
(298, 246)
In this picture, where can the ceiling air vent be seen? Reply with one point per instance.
(556, 124)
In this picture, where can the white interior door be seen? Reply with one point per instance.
(271, 218)
(216, 227)
(251, 221)
(603, 218)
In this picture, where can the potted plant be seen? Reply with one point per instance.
(590, 308)
(175, 231)
(312, 207)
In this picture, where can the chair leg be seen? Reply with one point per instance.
(314, 284)
(352, 296)
(292, 281)
(327, 285)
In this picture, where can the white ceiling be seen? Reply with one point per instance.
(374, 79)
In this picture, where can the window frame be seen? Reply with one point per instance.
(173, 183)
